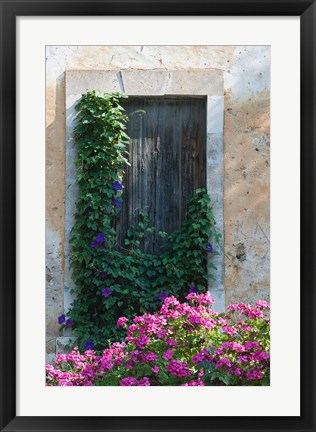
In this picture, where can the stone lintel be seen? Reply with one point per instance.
(135, 82)
(80, 81)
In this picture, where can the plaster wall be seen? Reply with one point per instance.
(246, 72)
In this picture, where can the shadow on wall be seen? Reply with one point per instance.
(55, 180)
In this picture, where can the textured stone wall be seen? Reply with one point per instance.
(246, 71)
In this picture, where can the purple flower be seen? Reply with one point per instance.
(100, 237)
(117, 185)
(118, 202)
(209, 248)
(89, 345)
(94, 244)
(103, 273)
(193, 289)
(61, 319)
(163, 295)
(69, 323)
(106, 292)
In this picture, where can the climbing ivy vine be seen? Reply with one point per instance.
(114, 280)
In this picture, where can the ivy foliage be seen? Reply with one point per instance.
(114, 280)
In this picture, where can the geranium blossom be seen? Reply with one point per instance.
(183, 344)
(121, 321)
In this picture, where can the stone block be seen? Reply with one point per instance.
(219, 297)
(215, 178)
(51, 346)
(214, 150)
(81, 81)
(144, 82)
(50, 358)
(215, 114)
(65, 344)
(196, 82)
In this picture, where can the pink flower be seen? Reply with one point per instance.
(242, 359)
(106, 365)
(129, 364)
(198, 382)
(250, 345)
(121, 321)
(230, 330)
(222, 321)
(263, 304)
(205, 299)
(171, 342)
(223, 362)
(149, 357)
(192, 296)
(237, 307)
(144, 382)
(128, 381)
(171, 301)
(161, 334)
(195, 319)
(246, 328)
(234, 346)
(237, 371)
(202, 356)
(168, 354)
(260, 356)
(219, 351)
(247, 310)
(178, 368)
(198, 358)
(142, 341)
(155, 369)
(253, 374)
(132, 328)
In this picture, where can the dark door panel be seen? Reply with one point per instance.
(167, 152)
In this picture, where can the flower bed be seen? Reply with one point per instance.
(184, 344)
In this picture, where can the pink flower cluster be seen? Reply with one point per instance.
(181, 344)
(248, 311)
(178, 368)
(252, 364)
(131, 381)
(168, 354)
(121, 321)
(73, 369)
(198, 382)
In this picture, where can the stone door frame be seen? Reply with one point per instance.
(189, 82)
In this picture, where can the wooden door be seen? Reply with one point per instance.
(167, 152)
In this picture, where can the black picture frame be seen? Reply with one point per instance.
(10, 9)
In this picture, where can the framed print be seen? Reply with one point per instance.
(136, 189)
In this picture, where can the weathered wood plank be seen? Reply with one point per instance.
(167, 152)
